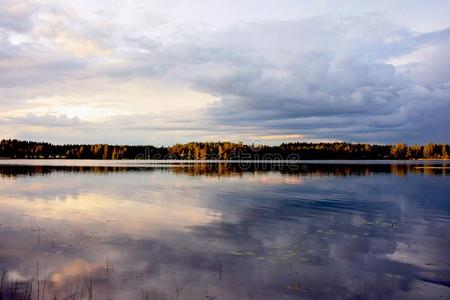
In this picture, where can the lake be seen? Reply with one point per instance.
(137, 230)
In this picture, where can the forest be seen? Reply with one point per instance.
(11, 148)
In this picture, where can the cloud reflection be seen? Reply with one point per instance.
(236, 235)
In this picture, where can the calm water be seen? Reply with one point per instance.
(211, 231)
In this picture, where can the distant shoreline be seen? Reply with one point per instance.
(224, 151)
(232, 160)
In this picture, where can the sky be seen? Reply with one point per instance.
(162, 72)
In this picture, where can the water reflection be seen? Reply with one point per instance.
(337, 168)
(212, 231)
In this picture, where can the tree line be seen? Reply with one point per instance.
(11, 148)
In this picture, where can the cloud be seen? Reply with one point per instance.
(46, 120)
(330, 76)
(355, 78)
(16, 15)
(279, 76)
(282, 137)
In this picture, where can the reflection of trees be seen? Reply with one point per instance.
(237, 169)
(399, 170)
(18, 171)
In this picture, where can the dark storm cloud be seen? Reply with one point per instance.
(353, 78)
(338, 72)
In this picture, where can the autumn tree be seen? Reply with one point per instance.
(399, 151)
(429, 150)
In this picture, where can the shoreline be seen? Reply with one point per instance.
(229, 160)
(242, 163)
